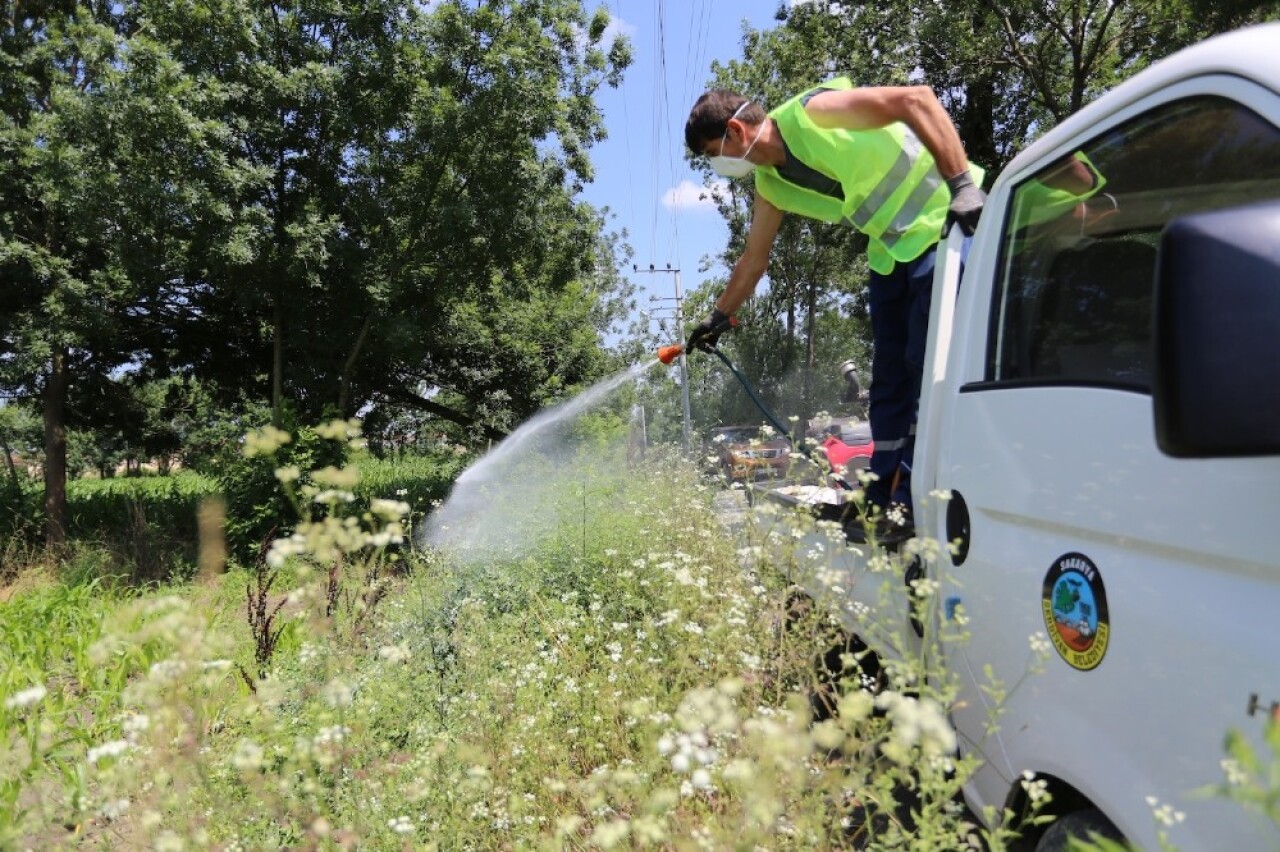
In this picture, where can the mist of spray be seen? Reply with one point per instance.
(504, 503)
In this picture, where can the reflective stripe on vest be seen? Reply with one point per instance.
(891, 181)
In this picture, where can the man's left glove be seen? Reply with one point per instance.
(966, 204)
(707, 333)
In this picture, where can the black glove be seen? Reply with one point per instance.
(966, 204)
(707, 333)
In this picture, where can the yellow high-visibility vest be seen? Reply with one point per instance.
(892, 190)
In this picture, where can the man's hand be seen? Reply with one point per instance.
(966, 204)
(707, 333)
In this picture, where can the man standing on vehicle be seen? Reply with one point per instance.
(884, 160)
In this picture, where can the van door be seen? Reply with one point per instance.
(1145, 587)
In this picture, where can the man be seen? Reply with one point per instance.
(884, 160)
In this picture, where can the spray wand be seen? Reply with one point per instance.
(667, 354)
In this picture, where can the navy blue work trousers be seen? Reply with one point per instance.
(899, 302)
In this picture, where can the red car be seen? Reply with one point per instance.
(848, 447)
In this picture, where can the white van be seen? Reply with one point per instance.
(1102, 401)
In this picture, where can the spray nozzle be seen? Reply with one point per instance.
(667, 354)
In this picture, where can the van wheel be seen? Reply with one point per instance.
(1079, 826)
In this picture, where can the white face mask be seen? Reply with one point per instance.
(735, 167)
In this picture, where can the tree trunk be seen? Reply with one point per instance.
(8, 458)
(55, 453)
(277, 367)
(344, 392)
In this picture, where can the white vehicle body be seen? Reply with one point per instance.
(1167, 625)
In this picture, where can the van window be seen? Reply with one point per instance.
(1074, 300)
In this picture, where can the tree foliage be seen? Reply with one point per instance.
(1006, 70)
(322, 205)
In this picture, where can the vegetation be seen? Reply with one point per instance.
(221, 215)
(178, 180)
(618, 682)
(623, 683)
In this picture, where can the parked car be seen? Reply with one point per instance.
(846, 443)
(745, 454)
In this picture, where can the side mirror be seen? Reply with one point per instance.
(853, 387)
(1216, 382)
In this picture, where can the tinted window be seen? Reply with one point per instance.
(1077, 264)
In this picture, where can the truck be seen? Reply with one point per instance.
(1099, 449)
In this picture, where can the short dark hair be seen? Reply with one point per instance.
(710, 116)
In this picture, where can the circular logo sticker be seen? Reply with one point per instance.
(1074, 603)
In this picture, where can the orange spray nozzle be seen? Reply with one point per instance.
(667, 354)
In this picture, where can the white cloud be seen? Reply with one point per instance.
(690, 196)
(617, 27)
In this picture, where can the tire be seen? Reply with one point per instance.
(1078, 825)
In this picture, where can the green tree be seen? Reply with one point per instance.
(1005, 69)
(105, 165)
(20, 437)
(414, 222)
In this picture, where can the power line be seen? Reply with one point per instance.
(626, 133)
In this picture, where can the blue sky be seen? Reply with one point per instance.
(641, 173)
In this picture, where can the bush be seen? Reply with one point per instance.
(98, 507)
(20, 516)
(258, 509)
(415, 479)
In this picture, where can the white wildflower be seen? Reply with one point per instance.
(115, 748)
(338, 694)
(168, 841)
(1235, 773)
(1037, 789)
(395, 653)
(390, 510)
(247, 756)
(26, 698)
(114, 809)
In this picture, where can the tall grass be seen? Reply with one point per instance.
(638, 678)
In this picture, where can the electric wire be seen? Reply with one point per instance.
(666, 121)
(658, 126)
(626, 132)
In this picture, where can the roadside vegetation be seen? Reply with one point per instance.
(640, 676)
(628, 683)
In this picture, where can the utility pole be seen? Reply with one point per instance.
(679, 316)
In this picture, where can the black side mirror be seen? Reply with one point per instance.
(1216, 388)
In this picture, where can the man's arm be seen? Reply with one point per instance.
(879, 106)
(751, 266)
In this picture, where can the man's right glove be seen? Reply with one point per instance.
(966, 204)
(707, 333)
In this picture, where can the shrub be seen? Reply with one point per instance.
(257, 508)
(103, 506)
(416, 479)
